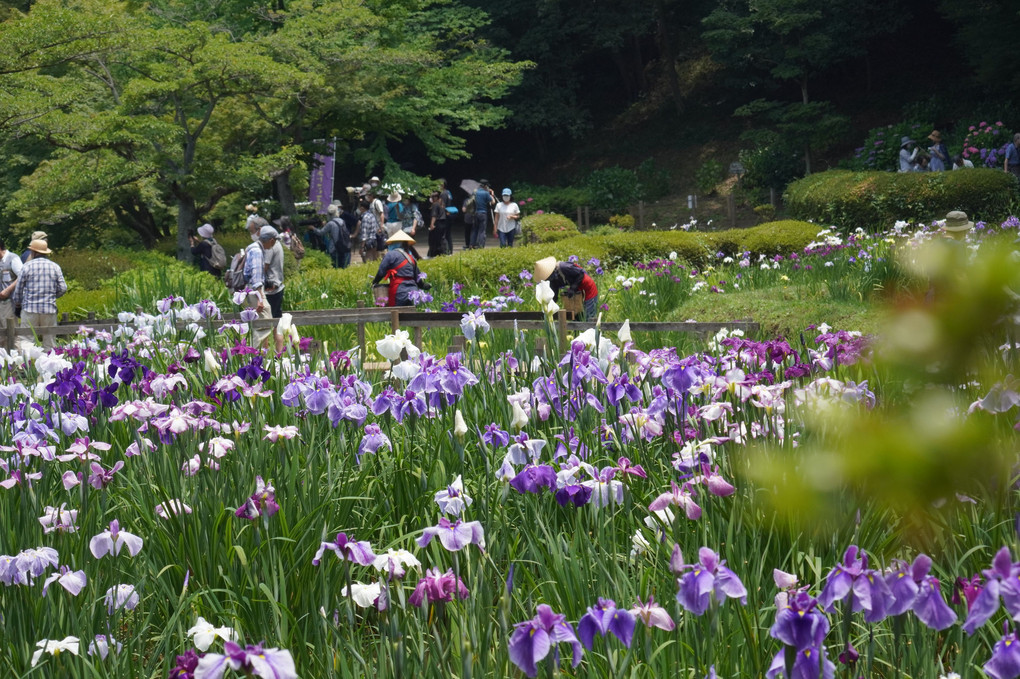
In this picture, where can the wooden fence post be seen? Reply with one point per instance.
(395, 320)
(65, 317)
(9, 335)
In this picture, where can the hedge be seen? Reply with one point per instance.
(874, 201)
(547, 228)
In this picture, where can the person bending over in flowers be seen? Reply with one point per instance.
(572, 278)
(400, 267)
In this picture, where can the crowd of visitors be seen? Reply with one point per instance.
(935, 158)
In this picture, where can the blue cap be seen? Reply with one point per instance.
(507, 192)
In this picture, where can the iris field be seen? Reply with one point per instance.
(176, 503)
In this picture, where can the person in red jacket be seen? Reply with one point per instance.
(571, 278)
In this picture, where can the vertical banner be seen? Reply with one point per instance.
(320, 182)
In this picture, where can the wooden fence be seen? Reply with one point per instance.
(399, 317)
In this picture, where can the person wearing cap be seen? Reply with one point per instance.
(908, 154)
(508, 216)
(201, 248)
(485, 199)
(394, 212)
(273, 262)
(571, 278)
(36, 292)
(400, 268)
(332, 234)
(1012, 161)
(939, 152)
(36, 235)
(10, 270)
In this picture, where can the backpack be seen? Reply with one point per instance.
(217, 257)
(233, 277)
(297, 247)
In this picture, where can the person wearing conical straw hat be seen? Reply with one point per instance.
(400, 268)
(572, 279)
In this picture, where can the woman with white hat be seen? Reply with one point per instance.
(202, 250)
(571, 277)
(400, 268)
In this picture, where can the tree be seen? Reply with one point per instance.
(770, 42)
(146, 109)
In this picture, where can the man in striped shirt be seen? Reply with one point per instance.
(40, 283)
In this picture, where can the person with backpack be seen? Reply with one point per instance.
(369, 231)
(335, 234)
(209, 254)
(437, 225)
(485, 199)
(400, 268)
(394, 212)
(468, 212)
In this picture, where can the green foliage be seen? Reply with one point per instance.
(622, 221)
(602, 230)
(547, 228)
(653, 181)
(874, 200)
(91, 268)
(612, 188)
(769, 167)
(881, 148)
(708, 175)
(777, 238)
(562, 199)
(766, 211)
(315, 260)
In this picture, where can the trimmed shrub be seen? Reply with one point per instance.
(561, 199)
(613, 188)
(548, 228)
(776, 238)
(875, 200)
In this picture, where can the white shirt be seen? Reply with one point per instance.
(10, 268)
(503, 212)
(966, 164)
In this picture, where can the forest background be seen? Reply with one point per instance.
(129, 123)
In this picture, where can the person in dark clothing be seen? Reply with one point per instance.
(437, 225)
(572, 279)
(485, 199)
(400, 268)
(202, 250)
(447, 197)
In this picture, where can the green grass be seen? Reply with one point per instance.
(786, 310)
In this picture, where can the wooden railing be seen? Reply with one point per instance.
(397, 317)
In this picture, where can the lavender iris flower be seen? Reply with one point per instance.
(533, 639)
(680, 496)
(605, 618)
(72, 581)
(914, 590)
(453, 500)
(373, 440)
(121, 596)
(111, 541)
(867, 588)
(575, 493)
(268, 663)
(346, 549)
(454, 536)
(436, 586)
(810, 663)
(653, 615)
(800, 623)
(100, 478)
(1005, 660)
(710, 577)
(262, 501)
(1002, 579)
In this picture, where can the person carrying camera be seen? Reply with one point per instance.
(400, 267)
(572, 280)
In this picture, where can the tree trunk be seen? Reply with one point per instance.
(285, 193)
(668, 56)
(807, 147)
(137, 217)
(187, 220)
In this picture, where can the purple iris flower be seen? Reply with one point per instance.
(800, 624)
(533, 639)
(455, 535)
(410, 402)
(913, 589)
(708, 577)
(372, 441)
(346, 549)
(34, 562)
(454, 376)
(622, 388)
(100, 478)
(533, 478)
(385, 401)
(262, 501)
(810, 663)
(605, 618)
(867, 588)
(1005, 660)
(436, 586)
(185, 666)
(495, 437)
(576, 493)
(1001, 579)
